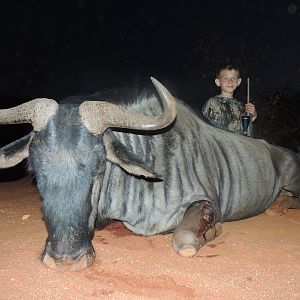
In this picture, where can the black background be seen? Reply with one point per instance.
(59, 48)
(55, 49)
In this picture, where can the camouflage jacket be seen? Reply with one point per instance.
(226, 113)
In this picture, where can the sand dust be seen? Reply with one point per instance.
(257, 258)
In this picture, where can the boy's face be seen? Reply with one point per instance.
(228, 81)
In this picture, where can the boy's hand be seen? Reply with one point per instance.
(250, 108)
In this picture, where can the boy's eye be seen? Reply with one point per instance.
(233, 78)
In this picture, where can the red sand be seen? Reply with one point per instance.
(257, 258)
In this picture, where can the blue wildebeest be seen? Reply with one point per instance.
(157, 168)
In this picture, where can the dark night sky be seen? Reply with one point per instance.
(54, 49)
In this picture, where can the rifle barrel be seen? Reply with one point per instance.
(248, 90)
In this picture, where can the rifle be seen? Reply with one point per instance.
(246, 116)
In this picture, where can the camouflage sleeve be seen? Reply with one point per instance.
(209, 110)
(205, 108)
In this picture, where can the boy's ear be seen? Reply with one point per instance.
(217, 82)
(239, 81)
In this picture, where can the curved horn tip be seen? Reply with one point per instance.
(156, 82)
(162, 90)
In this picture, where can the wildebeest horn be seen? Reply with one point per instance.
(37, 112)
(98, 116)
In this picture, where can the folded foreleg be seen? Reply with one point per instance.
(200, 224)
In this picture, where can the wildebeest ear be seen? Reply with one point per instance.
(15, 152)
(117, 153)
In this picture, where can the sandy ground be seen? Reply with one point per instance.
(257, 258)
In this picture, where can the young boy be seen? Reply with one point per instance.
(223, 110)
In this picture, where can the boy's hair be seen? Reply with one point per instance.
(228, 67)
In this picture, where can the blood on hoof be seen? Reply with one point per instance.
(282, 204)
(198, 226)
(79, 264)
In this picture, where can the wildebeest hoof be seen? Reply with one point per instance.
(68, 265)
(197, 227)
(187, 251)
(186, 243)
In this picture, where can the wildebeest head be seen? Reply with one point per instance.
(67, 151)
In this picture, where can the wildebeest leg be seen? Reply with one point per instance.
(294, 188)
(198, 226)
(282, 203)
